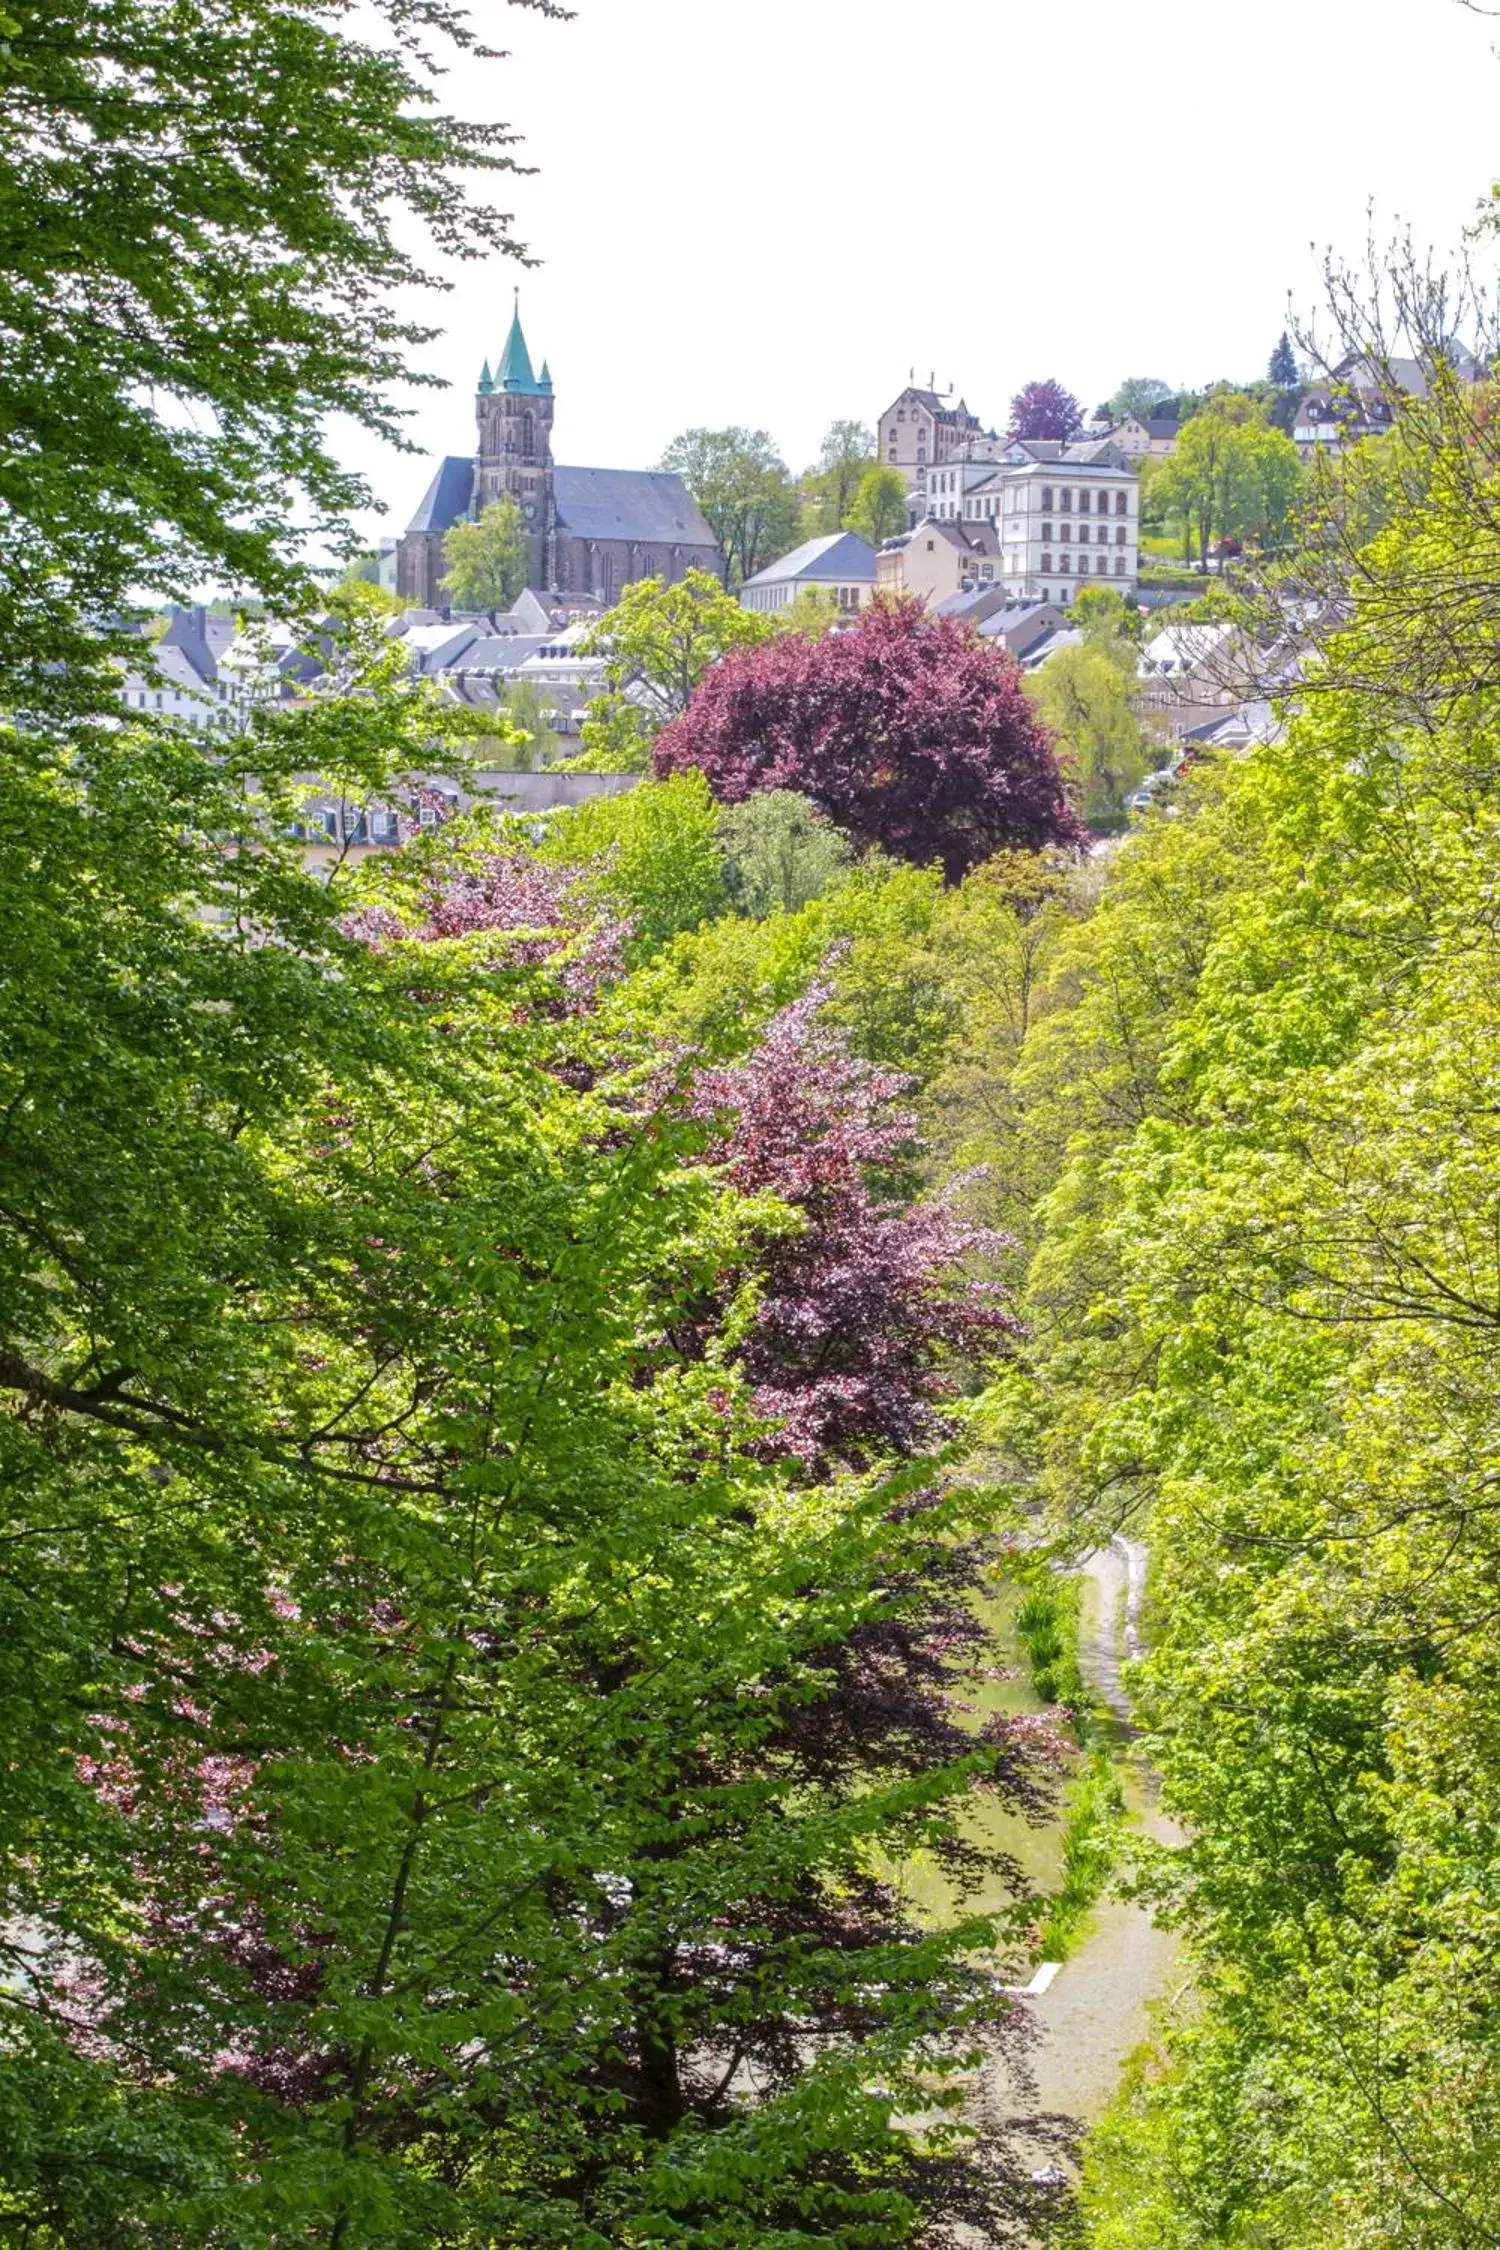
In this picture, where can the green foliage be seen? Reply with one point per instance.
(1232, 475)
(528, 710)
(780, 853)
(1088, 695)
(814, 612)
(1140, 395)
(489, 560)
(741, 483)
(658, 640)
(1265, 1293)
(878, 510)
(1093, 1807)
(657, 851)
(871, 936)
(1283, 370)
(221, 215)
(847, 452)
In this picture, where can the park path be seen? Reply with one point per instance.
(1093, 2013)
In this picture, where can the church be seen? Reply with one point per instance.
(592, 530)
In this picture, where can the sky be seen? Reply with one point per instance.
(772, 213)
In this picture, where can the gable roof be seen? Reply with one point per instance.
(446, 499)
(200, 637)
(635, 504)
(835, 556)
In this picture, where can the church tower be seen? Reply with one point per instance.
(514, 412)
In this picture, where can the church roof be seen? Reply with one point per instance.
(514, 372)
(648, 506)
(446, 499)
(638, 504)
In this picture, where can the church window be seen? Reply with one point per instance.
(527, 430)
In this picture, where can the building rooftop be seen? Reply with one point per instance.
(834, 557)
(639, 504)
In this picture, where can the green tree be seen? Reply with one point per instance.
(780, 853)
(489, 560)
(740, 482)
(1284, 371)
(220, 205)
(655, 850)
(1231, 475)
(657, 642)
(847, 451)
(530, 712)
(815, 611)
(1088, 696)
(1141, 395)
(879, 509)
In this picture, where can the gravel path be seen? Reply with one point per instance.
(1094, 2011)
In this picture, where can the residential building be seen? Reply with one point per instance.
(918, 432)
(1145, 437)
(179, 676)
(1055, 516)
(1022, 627)
(839, 562)
(592, 530)
(1065, 516)
(1362, 396)
(937, 559)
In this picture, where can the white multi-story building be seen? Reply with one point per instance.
(1065, 516)
(1054, 518)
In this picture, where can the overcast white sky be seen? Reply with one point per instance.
(767, 213)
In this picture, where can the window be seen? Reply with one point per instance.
(930, 545)
(1122, 504)
(1065, 504)
(1066, 566)
(1083, 535)
(1119, 566)
(1083, 503)
(1046, 562)
(1119, 535)
(1101, 565)
(1047, 532)
(1046, 501)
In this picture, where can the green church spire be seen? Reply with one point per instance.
(544, 380)
(486, 381)
(514, 372)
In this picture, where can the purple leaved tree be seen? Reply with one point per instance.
(1045, 410)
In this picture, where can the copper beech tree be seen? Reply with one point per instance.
(907, 731)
